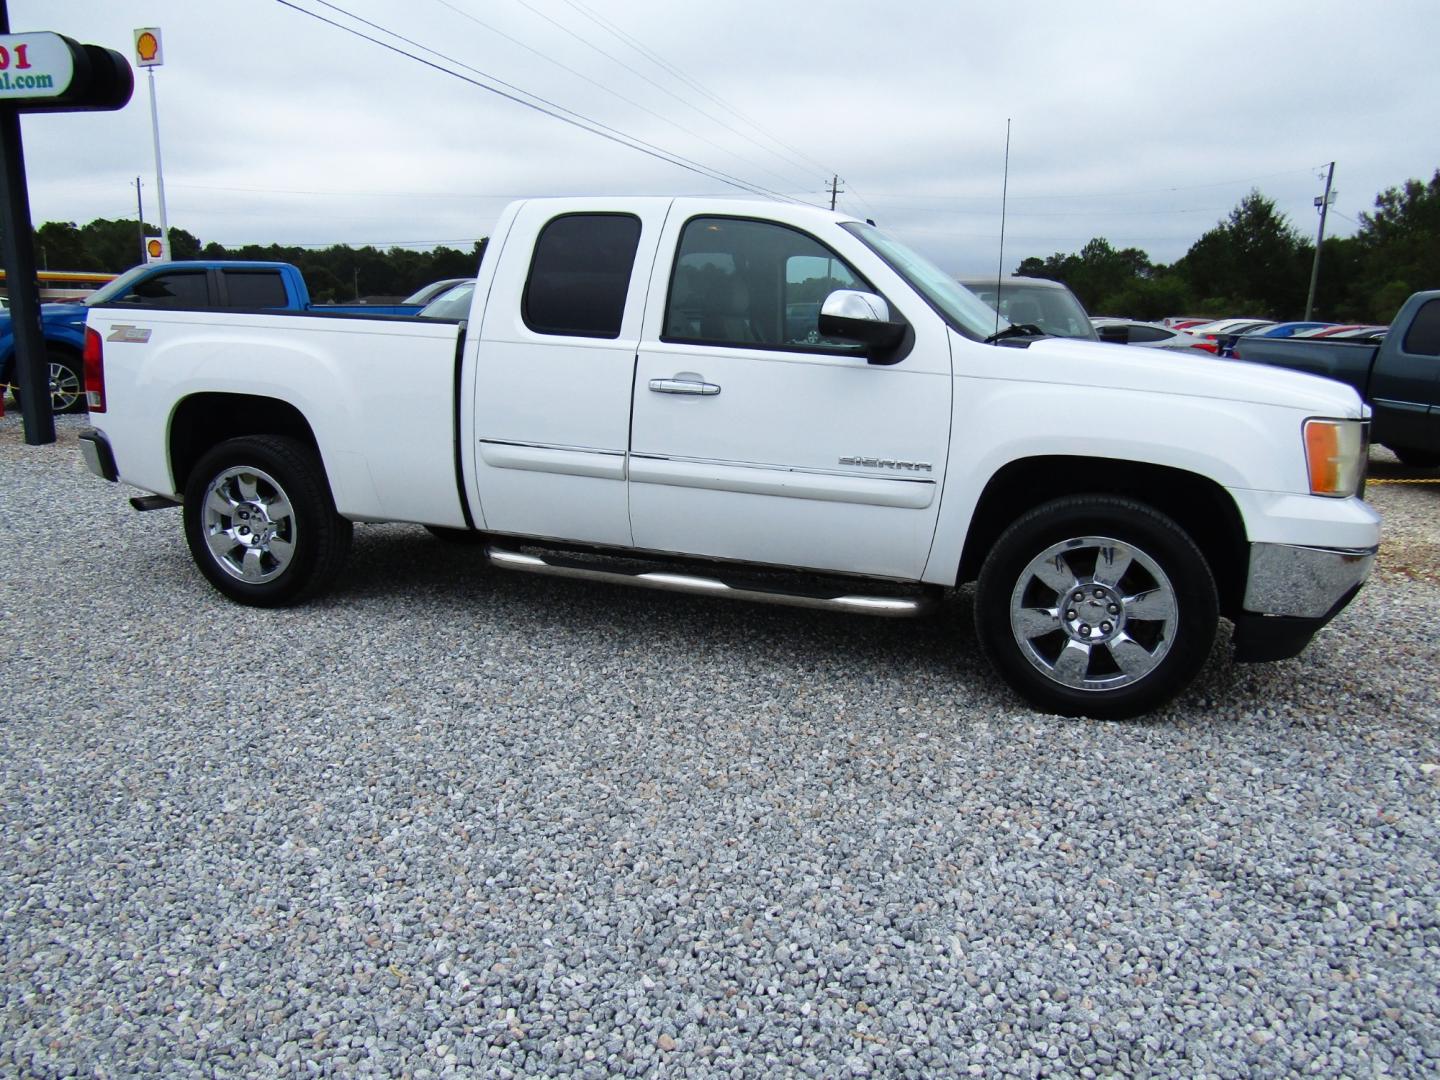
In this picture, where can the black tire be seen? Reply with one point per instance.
(66, 375)
(1416, 459)
(1112, 643)
(455, 536)
(261, 523)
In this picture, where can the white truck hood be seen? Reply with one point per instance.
(1192, 373)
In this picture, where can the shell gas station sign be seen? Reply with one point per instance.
(148, 51)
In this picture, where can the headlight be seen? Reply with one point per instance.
(1335, 453)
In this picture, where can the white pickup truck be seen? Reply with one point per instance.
(768, 402)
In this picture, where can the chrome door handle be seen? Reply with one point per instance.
(684, 386)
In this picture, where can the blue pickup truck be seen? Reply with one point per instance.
(1399, 378)
(212, 285)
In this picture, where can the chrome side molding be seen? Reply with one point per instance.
(894, 607)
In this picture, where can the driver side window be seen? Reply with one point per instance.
(754, 284)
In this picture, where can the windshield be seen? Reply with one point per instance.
(955, 304)
(455, 304)
(1036, 302)
(119, 287)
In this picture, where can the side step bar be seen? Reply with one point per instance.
(895, 607)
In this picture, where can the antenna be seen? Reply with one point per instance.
(1004, 197)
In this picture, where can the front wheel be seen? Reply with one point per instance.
(1416, 459)
(1096, 606)
(260, 521)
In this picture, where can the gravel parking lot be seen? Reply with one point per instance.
(449, 821)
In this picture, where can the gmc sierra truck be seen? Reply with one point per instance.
(766, 402)
(1399, 378)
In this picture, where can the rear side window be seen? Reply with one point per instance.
(580, 274)
(177, 289)
(254, 289)
(1423, 338)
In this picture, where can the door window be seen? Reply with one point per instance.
(255, 289)
(176, 289)
(1423, 337)
(754, 284)
(580, 275)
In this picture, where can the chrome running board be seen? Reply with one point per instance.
(894, 607)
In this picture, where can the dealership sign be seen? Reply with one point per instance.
(35, 66)
(47, 72)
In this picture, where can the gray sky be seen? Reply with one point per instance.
(1143, 122)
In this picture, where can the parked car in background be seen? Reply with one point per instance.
(434, 291)
(1145, 334)
(454, 303)
(1396, 377)
(1026, 301)
(1184, 322)
(1213, 335)
(1369, 335)
(1290, 329)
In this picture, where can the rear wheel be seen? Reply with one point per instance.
(260, 522)
(66, 379)
(1096, 606)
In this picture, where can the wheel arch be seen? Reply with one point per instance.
(204, 420)
(1196, 503)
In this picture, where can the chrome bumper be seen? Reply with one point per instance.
(1304, 582)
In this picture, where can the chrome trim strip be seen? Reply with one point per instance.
(894, 607)
(1303, 582)
(564, 460)
(745, 479)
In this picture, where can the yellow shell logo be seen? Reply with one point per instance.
(146, 46)
(154, 248)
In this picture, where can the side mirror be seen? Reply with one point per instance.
(860, 316)
(1115, 334)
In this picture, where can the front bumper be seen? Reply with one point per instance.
(1293, 591)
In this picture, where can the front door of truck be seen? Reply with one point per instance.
(555, 362)
(756, 439)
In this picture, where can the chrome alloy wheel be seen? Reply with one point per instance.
(1093, 613)
(65, 388)
(249, 525)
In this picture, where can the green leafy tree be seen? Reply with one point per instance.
(1253, 262)
(1398, 247)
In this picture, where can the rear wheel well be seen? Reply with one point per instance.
(1196, 503)
(202, 421)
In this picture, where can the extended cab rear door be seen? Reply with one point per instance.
(756, 439)
(555, 364)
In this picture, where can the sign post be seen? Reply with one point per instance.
(41, 72)
(149, 54)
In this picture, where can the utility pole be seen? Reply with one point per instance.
(1322, 202)
(140, 218)
(835, 190)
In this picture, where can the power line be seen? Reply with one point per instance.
(575, 119)
(801, 160)
(597, 83)
(638, 74)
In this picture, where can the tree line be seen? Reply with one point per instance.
(1255, 262)
(333, 274)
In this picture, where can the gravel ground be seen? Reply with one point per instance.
(451, 822)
